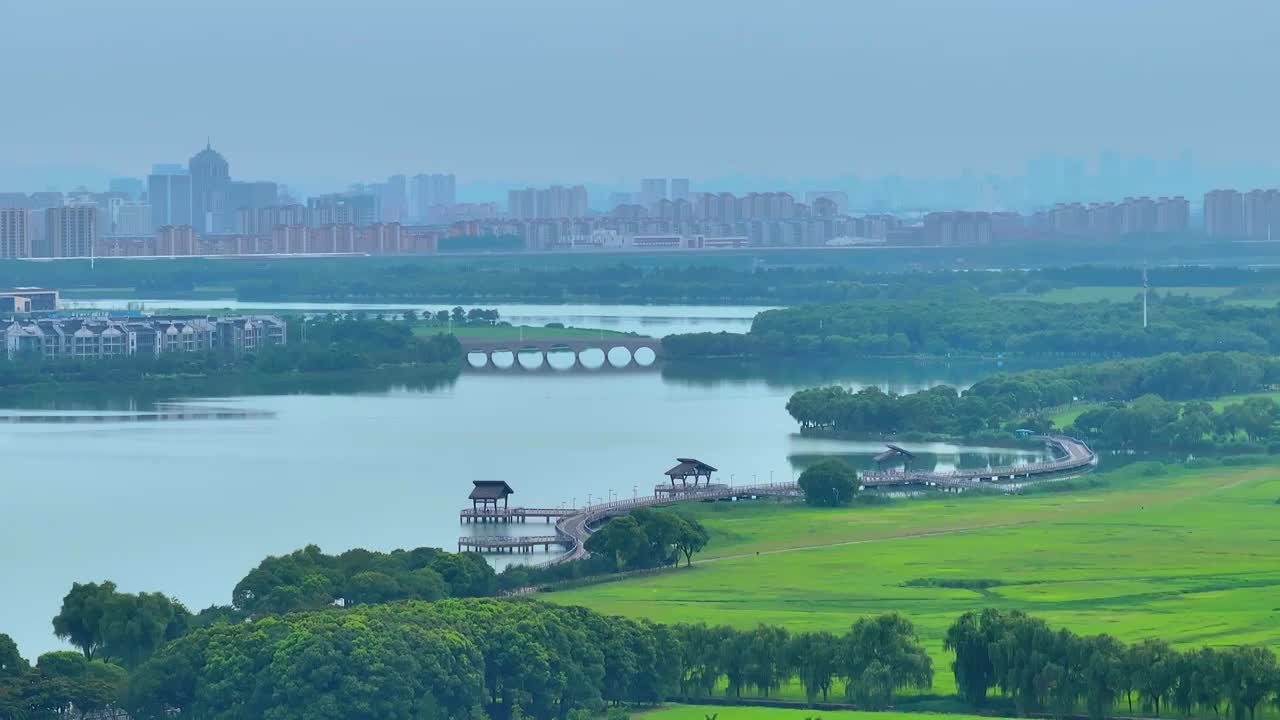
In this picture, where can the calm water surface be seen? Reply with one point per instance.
(188, 506)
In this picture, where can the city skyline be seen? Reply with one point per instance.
(913, 90)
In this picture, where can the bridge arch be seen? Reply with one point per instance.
(619, 356)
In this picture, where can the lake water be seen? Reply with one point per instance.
(188, 503)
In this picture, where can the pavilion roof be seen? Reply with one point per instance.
(689, 466)
(489, 490)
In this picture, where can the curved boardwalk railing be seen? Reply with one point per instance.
(576, 528)
(1076, 455)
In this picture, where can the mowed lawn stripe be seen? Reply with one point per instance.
(1190, 556)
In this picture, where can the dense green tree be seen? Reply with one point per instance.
(1155, 667)
(310, 579)
(79, 622)
(11, 661)
(814, 656)
(881, 656)
(829, 483)
(1251, 676)
(970, 637)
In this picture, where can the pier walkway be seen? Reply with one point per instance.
(574, 526)
(1073, 455)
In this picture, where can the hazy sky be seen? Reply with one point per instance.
(318, 92)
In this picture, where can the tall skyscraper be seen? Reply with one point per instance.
(242, 195)
(210, 183)
(522, 204)
(169, 193)
(393, 200)
(438, 190)
(72, 230)
(679, 188)
(1224, 213)
(652, 190)
(15, 233)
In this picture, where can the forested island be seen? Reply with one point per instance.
(942, 323)
(1129, 405)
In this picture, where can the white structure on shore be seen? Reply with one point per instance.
(98, 338)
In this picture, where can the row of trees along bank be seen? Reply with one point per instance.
(947, 322)
(485, 659)
(1016, 400)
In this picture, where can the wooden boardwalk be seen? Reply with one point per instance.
(1075, 456)
(509, 543)
(574, 526)
(510, 515)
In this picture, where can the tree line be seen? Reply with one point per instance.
(942, 322)
(1040, 669)
(506, 659)
(1019, 400)
(1152, 423)
(788, 277)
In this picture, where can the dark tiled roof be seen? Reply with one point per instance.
(690, 466)
(489, 490)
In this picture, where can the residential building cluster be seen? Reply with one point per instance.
(96, 338)
(200, 208)
(1133, 215)
(1252, 215)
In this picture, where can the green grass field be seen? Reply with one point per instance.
(1091, 293)
(1190, 556)
(503, 332)
(701, 712)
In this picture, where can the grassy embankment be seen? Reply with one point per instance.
(1189, 556)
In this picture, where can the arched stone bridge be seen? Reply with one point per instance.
(618, 351)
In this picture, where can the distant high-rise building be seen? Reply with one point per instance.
(438, 190)
(522, 204)
(15, 233)
(1224, 213)
(134, 188)
(652, 190)
(1173, 214)
(679, 188)
(210, 184)
(358, 209)
(72, 230)
(393, 199)
(169, 194)
(242, 195)
(1260, 214)
(132, 219)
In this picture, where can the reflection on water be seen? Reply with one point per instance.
(378, 460)
(166, 413)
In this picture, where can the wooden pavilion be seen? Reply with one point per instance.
(894, 454)
(487, 493)
(690, 468)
